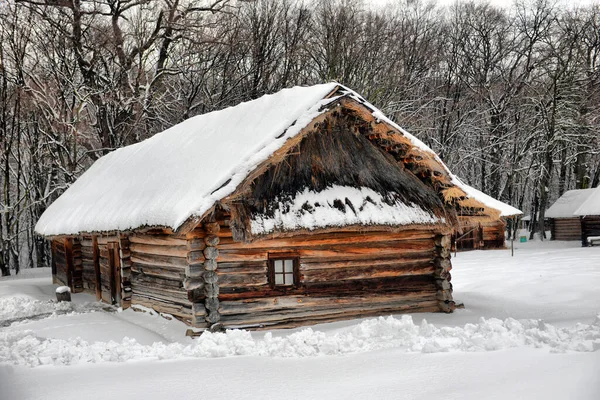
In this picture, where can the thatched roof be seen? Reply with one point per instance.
(234, 158)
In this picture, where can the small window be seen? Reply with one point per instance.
(283, 271)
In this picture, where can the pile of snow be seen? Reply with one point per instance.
(25, 348)
(339, 206)
(20, 308)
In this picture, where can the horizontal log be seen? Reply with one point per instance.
(237, 280)
(409, 256)
(156, 240)
(326, 240)
(170, 296)
(416, 267)
(338, 252)
(149, 259)
(243, 267)
(292, 303)
(160, 282)
(402, 284)
(150, 249)
(177, 310)
(194, 271)
(160, 271)
(300, 318)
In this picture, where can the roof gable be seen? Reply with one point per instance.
(334, 176)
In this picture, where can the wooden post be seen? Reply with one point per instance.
(125, 262)
(110, 247)
(95, 255)
(117, 273)
(584, 242)
(69, 262)
(63, 293)
(512, 236)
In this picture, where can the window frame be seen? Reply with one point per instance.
(296, 270)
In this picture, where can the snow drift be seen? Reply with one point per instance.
(25, 348)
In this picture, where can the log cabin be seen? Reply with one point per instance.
(303, 206)
(589, 215)
(565, 224)
(487, 229)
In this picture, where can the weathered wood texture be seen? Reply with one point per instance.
(566, 229)
(469, 238)
(88, 264)
(590, 227)
(475, 235)
(342, 275)
(76, 266)
(154, 271)
(61, 274)
(494, 235)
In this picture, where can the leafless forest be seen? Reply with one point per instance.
(508, 97)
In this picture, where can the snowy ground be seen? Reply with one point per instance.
(530, 330)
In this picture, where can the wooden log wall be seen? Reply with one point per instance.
(566, 229)
(194, 282)
(342, 275)
(126, 264)
(590, 227)
(77, 271)
(494, 235)
(442, 273)
(62, 275)
(88, 264)
(158, 264)
(105, 270)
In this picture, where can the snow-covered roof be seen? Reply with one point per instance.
(182, 171)
(506, 210)
(590, 206)
(472, 193)
(567, 204)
